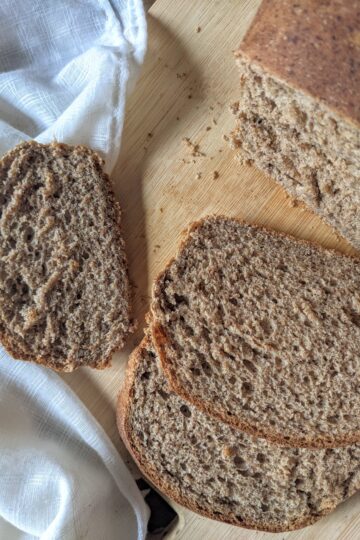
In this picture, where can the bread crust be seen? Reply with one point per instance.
(10, 344)
(298, 42)
(161, 343)
(123, 412)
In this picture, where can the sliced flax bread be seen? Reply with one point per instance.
(263, 331)
(220, 472)
(64, 290)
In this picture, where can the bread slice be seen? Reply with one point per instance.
(64, 290)
(263, 331)
(216, 470)
(298, 115)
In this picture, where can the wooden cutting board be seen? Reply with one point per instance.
(186, 85)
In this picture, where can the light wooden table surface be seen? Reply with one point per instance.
(188, 81)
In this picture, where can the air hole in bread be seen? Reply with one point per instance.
(250, 366)
(240, 463)
(184, 409)
(205, 366)
(261, 458)
(247, 388)
(180, 299)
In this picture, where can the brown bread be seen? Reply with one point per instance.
(64, 290)
(216, 470)
(299, 109)
(263, 331)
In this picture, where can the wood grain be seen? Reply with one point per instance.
(184, 91)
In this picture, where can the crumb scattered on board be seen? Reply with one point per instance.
(181, 75)
(216, 175)
(194, 148)
(214, 121)
(292, 203)
(198, 175)
(198, 29)
(225, 137)
(189, 96)
(234, 107)
(208, 128)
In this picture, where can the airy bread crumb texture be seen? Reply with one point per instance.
(263, 331)
(309, 149)
(218, 471)
(64, 290)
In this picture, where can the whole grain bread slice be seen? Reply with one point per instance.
(64, 289)
(263, 331)
(218, 471)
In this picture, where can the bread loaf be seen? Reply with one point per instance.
(64, 290)
(298, 115)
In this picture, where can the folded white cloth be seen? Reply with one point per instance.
(65, 69)
(60, 475)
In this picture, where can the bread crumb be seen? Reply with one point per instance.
(208, 128)
(193, 148)
(198, 29)
(149, 135)
(178, 118)
(190, 96)
(293, 203)
(211, 108)
(225, 137)
(198, 175)
(234, 107)
(161, 209)
(214, 121)
(216, 175)
(181, 75)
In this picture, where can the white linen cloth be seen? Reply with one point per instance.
(60, 475)
(65, 69)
